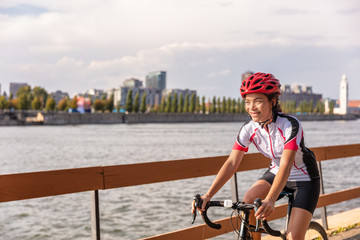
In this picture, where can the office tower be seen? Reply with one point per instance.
(156, 80)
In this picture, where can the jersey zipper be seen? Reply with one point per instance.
(272, 152)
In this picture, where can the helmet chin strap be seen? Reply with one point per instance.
(266, 122)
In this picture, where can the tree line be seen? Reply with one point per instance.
(38, 99)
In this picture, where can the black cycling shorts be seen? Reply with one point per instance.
(306, 193)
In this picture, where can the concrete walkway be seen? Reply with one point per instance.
(345, 219)
(337, 221)
(352, 234)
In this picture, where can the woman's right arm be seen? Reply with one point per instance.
(225, 173)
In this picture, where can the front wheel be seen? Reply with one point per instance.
(315, 232)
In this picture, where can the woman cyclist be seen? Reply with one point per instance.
(279, 137)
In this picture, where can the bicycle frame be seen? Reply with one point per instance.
(244, 210)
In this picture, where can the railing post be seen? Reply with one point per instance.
(95, 215)
(323, 209)
(234, 194)
(234, 188)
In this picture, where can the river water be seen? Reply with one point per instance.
(140, 211)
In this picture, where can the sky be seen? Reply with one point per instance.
(204, 45)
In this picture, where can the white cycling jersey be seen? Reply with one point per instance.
(285, 132)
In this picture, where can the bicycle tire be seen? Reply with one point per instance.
(315, 232)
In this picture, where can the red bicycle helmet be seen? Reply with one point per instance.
(260, 83)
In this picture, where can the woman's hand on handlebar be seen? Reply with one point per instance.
(206, 198)
(266, 208)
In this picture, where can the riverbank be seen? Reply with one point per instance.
(21, 118)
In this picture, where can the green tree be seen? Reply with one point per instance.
(181, 103)
(192, 103)
(238, 106)
(109, 103)
(23, 102)
(13, 103)
(62, 105)
(168, 104)
(98, 105)
(36, 103)
(136, 102)
(218, 105)
(73, 103)
(228, 106)
(50, 104)
(24, 98)
(186, 103)
(203, 105)
(331, 107)
(129, 101)
(3, 103)
(213, 105)
(41, 93)
(318, 107)
(223, 105)
(311, 106)
(174, 103)
(162, 104)
(198, 105)
(233, 106)
(243, 109)
(143, 103)
(26, 90)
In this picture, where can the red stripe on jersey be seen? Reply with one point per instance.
(292, 145)
(282, 134)
(239, 147)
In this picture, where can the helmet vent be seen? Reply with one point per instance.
(257, 81)
(256, 88)
(269, 87)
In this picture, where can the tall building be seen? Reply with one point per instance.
(153, 95)
(14, 87)
(298, 93)
(178, 92)
(94, 93)
(344, 97)
(133, 83)
(59, 95)
(245, 75)
(156, 80)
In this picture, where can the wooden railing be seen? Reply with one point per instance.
(21, 186)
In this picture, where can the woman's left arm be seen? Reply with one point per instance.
(268, 204)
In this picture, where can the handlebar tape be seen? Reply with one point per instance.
(264, 223)
(198, 204)
(269, 230)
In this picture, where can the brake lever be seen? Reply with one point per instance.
(197, 203)
(257, 204)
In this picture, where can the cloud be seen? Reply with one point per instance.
(220, 73)
(75, 45)
(23, 9)
(291, 11)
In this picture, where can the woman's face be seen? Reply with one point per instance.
(258, 106)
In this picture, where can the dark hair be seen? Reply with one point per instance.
(276, 108)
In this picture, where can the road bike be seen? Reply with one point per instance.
(242, 225)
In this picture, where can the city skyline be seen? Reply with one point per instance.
(203, 45)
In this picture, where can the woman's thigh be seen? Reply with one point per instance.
(258, 190)
(298, 224)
